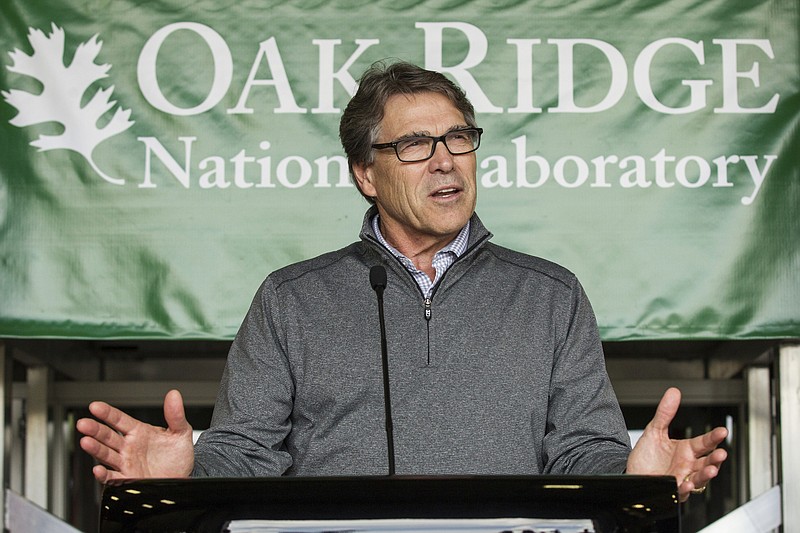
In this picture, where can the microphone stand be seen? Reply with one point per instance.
(377, 278)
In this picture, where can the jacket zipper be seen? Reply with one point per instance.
(428, 300)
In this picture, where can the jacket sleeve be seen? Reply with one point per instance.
(586, 432)
(254, 403)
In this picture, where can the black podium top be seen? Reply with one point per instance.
(622, 503)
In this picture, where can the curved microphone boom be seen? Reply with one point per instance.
(377, 278)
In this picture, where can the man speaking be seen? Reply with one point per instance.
(495, 364)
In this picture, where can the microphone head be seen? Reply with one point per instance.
(377, 277)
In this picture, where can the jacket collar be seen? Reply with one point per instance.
(478, 234)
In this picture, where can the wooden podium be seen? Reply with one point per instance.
(475, 504)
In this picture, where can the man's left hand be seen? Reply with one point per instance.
(694, 462)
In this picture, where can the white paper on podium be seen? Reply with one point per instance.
(414, 525)
(759, 515)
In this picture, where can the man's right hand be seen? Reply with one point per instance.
(130, 449)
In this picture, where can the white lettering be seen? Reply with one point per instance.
(566, 75)
(524, 76)
(691, 171)
(217, 169)
(283, 172)
(498, 177)
(146, 69)
(702, 177)
(264, 164)
(154, 146)
(751, 161)
(239, 161)
(731, 75)
(560, 176)
(478, 46)
(327, 74)
(600, 164)
(637, 176)
(641, 78)
(269, 50)
(323, 167)
(522, 165)
(214, 178)
(722, 163)
(661, 159)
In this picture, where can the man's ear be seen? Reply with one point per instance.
(364, 176)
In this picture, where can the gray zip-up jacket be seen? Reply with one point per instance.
(504, 375)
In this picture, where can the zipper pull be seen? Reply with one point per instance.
(427, 308)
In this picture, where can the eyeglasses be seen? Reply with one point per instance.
(422, 147)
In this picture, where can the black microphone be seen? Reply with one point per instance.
(377, 278)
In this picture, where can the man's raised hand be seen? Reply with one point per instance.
(127, 448)
(693, 462)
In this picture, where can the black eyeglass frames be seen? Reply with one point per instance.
(422, 147)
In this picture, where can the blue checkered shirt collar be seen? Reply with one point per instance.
(441, 260)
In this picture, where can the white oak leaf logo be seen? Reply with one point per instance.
(60, 100)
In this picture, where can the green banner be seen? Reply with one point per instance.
(159, 159)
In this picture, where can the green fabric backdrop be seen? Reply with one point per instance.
(159, 159)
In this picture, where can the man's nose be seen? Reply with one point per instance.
(442, 159)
